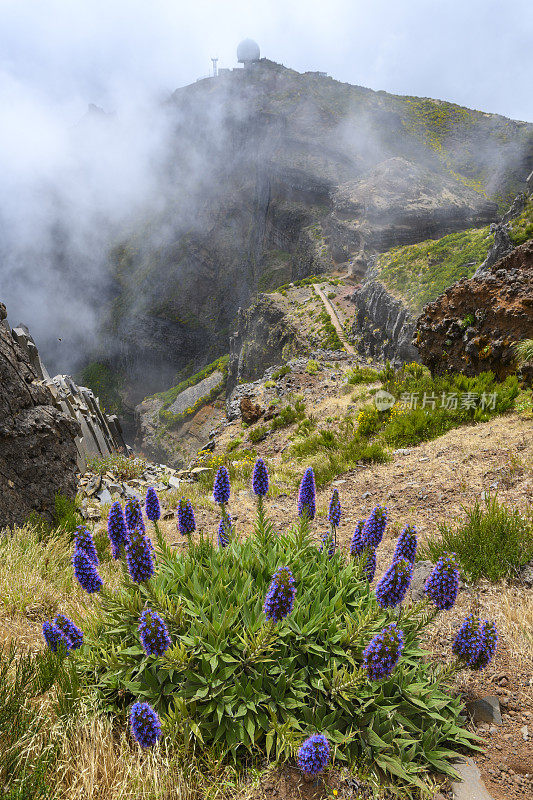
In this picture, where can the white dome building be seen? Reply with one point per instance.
(248, 52)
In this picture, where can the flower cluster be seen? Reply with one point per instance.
(145, 724)
(314, 754)
(383, 652)
(369, 565)
(334, 512)
(221, 487)
(443, 583)
(54, 637)
(151, 506)
(307, 495)
(279, 600)
(186, 520)
(154, 633)
(116, 529)
(70, 631)
(406, 545)
(134, 515)
(394, 584)
(260, 478)
(374, 528)
(84, 541)
(86, 572)
(467, 643)
(139, 556)
(489, 642)
(356, 545)
(224, 532)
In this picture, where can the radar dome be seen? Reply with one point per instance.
(248, 51)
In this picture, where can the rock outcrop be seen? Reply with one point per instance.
(264, 338)
(474, 325)
(37, 440)
(100, 433)
(383, 326)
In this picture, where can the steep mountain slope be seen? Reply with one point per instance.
(274, 175)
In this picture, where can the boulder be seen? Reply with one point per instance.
(37, 439)
(250, 411)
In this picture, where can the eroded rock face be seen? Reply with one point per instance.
(37, 440)
(473, 326)
(264, 338)
(383, 325)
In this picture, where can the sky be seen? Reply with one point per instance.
(66, 53)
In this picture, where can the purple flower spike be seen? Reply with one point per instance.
(139, 557)
(86, 572)
(116, 529)
(279, 600)
(260, 478)
(145, 724)
(356, 545)
(186, 520)
(374, 528)
(154, 633)
(151, 506)
(394, 584)
(314, 754)
(70, 631)
(84, 541)
(443, 583)
(334, 513)
(307, 495)
(383, 653)
(406, 545)
(221, 488)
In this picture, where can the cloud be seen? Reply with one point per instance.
(67, 186)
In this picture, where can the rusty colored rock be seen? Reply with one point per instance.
(474, 325)
(250, 412)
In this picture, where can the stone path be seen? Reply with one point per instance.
(471, 786)
(334, 319)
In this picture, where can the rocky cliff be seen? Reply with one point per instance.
(383, 326)
(474, 325)
(274, 175)
(37, 447)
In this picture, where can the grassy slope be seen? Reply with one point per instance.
(421, 272)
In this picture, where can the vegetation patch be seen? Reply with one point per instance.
(125, 468)
(168, 397)
(493, 542)
(267, 641)
(421, 272)
(521, 228)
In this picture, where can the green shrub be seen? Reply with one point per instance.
(312, 366)
(524, 351)
(251, 688)
(362, 375)
(279, 373)
(493, 542)
(413, 425)
(258, 433)
(125, 468)
(289, 414)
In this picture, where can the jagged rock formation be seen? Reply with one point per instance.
(501, 247)
(299, 173)
(473, 326)
(100, 433)
(37, 447)
(383, 326)
(264, 338)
